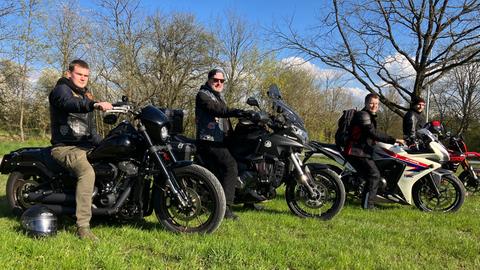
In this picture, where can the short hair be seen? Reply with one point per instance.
(417, 100)
(371, 96)
(214, 71)
(77, 62)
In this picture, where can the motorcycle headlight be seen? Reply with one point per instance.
(164, 133)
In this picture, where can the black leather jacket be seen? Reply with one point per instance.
(71, 115)
(364, 134)
(412, 121)
(211, 115)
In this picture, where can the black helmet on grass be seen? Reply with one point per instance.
(39, 221)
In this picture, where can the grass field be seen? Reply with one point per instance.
(394, 237)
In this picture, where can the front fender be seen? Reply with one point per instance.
(181, 164)
(436, 178)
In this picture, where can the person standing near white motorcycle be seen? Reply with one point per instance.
(413, 120)
(359, 147)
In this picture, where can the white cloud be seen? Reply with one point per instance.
(323, 74)
(399, 67)
(319, 73)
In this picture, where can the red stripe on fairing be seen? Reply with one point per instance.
(406, 159)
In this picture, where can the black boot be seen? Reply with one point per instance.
(229, 214)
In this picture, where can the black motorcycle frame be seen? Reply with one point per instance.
(266, 147)
(140, 154)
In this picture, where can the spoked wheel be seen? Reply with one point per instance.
(472, 185)
(452, 195)
(206, 206)
(327, 201)
(18, 185)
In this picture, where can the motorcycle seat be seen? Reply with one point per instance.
(45, 156)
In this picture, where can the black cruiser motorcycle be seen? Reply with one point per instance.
(136, 173)
(267, 147)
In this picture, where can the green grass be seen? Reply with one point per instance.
(9, 145)
(395, 237)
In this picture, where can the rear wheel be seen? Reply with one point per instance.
(471, 184)
(451, 198)
(328, 199)
(206, 207)
(18, 185)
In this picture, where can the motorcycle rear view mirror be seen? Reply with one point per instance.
(110, 119)
(253, 102)
(124, 99)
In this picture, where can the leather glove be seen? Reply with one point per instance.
(238, 113)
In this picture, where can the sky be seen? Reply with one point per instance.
(259, 14)
(256, 12)
(303, 14)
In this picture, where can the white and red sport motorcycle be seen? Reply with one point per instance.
(408, 176)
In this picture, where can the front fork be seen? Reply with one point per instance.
(169, 178)
(469, 168)
(303, 178)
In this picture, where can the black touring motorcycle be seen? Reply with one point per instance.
(136, 173)
(266, 147)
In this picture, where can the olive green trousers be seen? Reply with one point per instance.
(74, 159)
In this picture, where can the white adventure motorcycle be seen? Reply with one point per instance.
(408, 176)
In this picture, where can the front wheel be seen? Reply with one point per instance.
(327, 201)
(206, 206)
(452, 195)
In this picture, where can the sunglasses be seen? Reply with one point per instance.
(215, 80)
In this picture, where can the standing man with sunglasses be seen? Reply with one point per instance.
(213, 128)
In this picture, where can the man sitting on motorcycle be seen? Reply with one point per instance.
(413, 120)
(73, 134)
(213, 128)
(359, 148)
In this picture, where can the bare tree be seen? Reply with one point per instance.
(179, 55)
(406, 45)
(333, 100)
(7, 9)
(10, 78)
(388, 121)
(25, 51)
(68, 35)
(457, 97)
(239, 57)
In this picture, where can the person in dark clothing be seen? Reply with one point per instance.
(73, 134)
(413, 120)
(213, 128)
(359, 148)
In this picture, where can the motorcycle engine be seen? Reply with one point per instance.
(270, 171)
(108, 179)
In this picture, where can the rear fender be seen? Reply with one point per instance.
(18, 161)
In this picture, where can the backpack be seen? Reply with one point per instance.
(342, 134)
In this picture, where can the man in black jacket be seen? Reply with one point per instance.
(73, 134)
(359, 147)
(413, 120)
(213, 128)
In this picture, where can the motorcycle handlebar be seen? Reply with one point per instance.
(119, 109)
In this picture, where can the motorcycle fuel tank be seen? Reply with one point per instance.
(115, 146)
